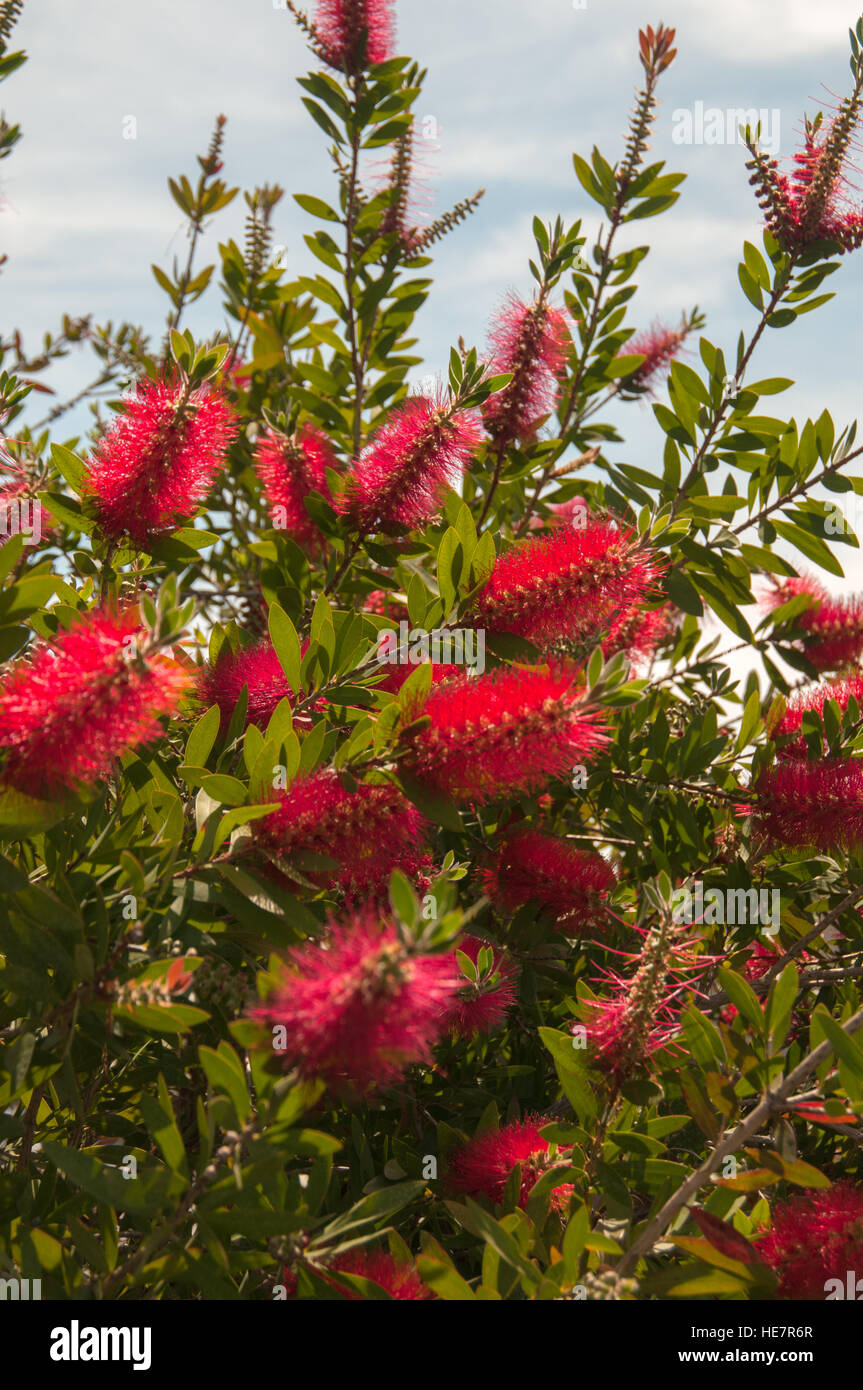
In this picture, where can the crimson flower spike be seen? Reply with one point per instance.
(352, 34)
(659, 346)
(815, 1238)
(811, 203)
(158, 460)
(397, 1276)
(483, 1003)
(568, 586)
(358, 1011)
(401, 477)
(503, 733)
(483, 1166)
(641, 1016)
(832, 627)
(72, 706)
(530, 341)
(256, 667)
(290, 467)
(368, 832)
(814, 698)
(797, 804)
(571, 884)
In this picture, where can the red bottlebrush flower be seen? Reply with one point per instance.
(400, 479)
(359, 1009)
(659, 346)
(638, 633)
(812, 202)
(73, 706)
(815, 699)
(833, 627)
(815, 1237)
(370, 831)
(257, 667)
(398, 1278)
(573, 884)
(798, 805)
(568, 586)
(482, 1166)
(290, 467)
(408, 188)
(532, 342)
(158, 460)
(640, 1016)
(482, 1005)
(507, 732)
(351, 34)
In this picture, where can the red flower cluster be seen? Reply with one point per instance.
(638, 633)
(507, 732)
(258, 668)
(814, 1237)
(71, 708)
(358, 1009)
(158, 460)
(659, 346)
(568, 586)
(482, 1167)
(815, 699)
(798, 804)
(572, 884)
(482, 1005)
(347, 29)
(400, 479)
(812, 204)
(640, 1016)
(369, 832)
(290, 467)
(532, 342)
(833, 627)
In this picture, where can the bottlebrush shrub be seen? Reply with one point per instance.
(522, 964)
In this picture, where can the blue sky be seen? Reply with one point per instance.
(514, 88)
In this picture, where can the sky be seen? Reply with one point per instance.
(513, 89)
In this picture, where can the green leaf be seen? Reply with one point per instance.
(371, 1210)
(743, 997)
(70, 466)
(202, 737)
(230, 791)
(224, 1071)
(450, 563)
(750, 721)
(843, 1044)
(317, 207)
(477, 1221)
(158, 1115)
(284, 638)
